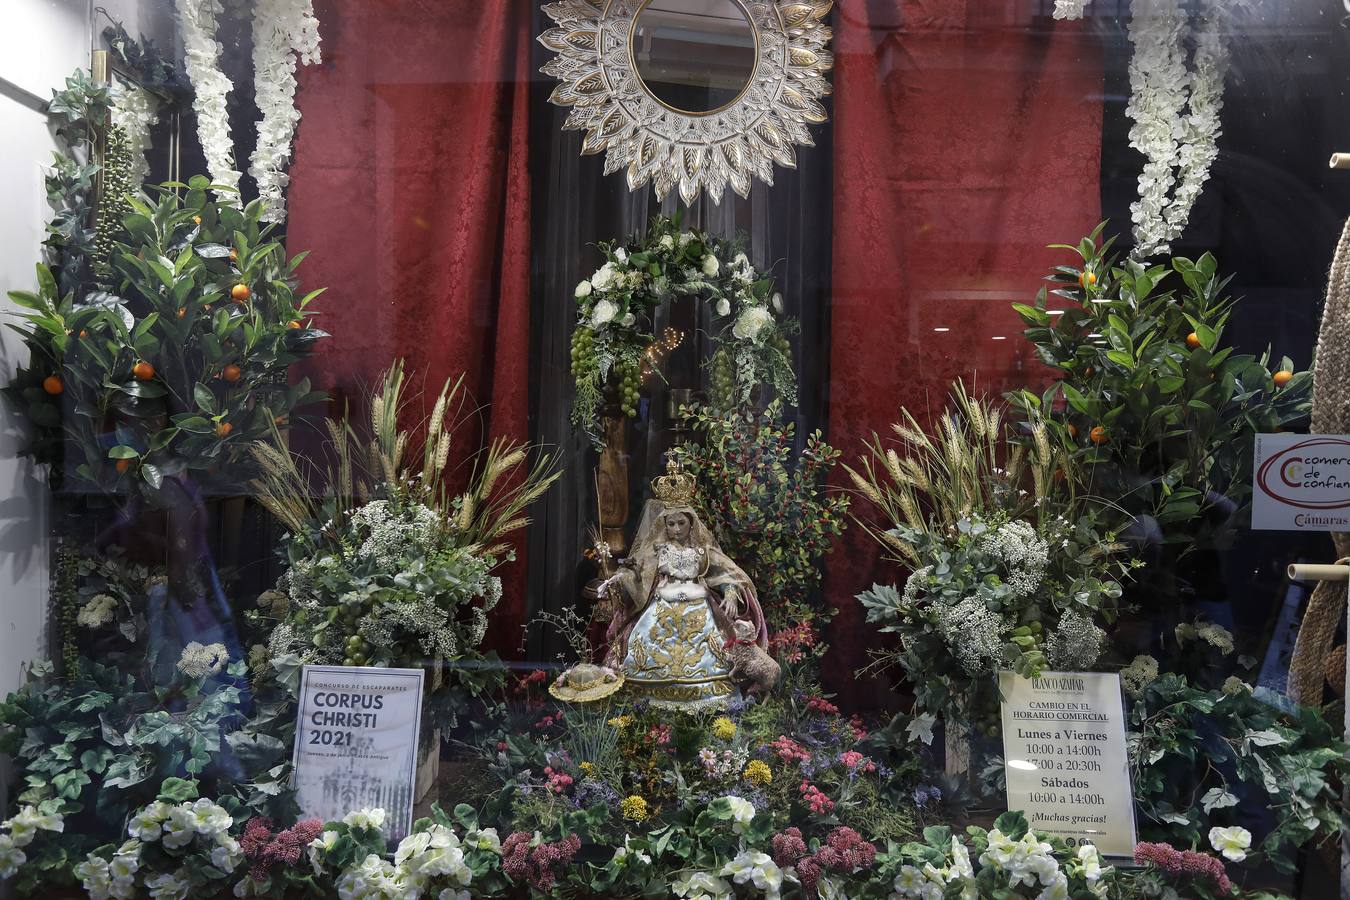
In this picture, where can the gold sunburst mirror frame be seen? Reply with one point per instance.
(598, 77)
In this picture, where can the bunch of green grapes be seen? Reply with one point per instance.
(722, 391)
(780, 343)
(583, 353)
(628, 376)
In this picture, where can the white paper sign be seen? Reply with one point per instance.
(1065, 757)
(356, 742)
(1301, 482)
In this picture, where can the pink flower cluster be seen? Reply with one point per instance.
(855, 762)
(788, 750)
(859, 731)
(822, 706)
(524, 683)
(659, 735)
(813, 797)
(845, 852)
(537, 865)
(1187, 863)
(791, 644)
(558, 781)
(265, 849)
(549, 721)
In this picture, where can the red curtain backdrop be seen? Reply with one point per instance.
(410, 187)
(967, 138)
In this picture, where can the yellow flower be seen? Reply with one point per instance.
(587, 768)
(724, 728)
(758, 772)
(634, 808)
(620, 722)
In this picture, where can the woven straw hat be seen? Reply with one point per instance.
(585, 683)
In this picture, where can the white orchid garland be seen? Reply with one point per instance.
(282, 31)
(1070, 9)
(1175, 112)
(211, 89)
(136, 110)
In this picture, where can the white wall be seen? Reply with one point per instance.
(49, 39)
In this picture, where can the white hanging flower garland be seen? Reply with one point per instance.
(136, 110)
(282, 31)
(1070, 9)
(1176, 114)
(211, 88)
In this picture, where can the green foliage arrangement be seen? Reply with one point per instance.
(390, 564)
(181, 368)
(1159, 414)
(613, 345)
(768, 507)
(98, 744)
(1205, 758)
(1009, 567)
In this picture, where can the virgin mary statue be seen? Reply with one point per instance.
(677, 598)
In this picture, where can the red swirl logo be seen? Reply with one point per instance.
(1320, 464)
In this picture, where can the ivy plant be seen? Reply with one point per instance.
(1204, 758)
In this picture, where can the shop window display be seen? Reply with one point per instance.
(435, 482)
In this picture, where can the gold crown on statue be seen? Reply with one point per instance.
(676, 487)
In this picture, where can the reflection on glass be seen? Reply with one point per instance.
(694, 55)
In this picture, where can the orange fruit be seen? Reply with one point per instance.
(122, 465)
(223, 430)
(84, 333)
(143, 371)
(240, 293)
(1193, 340)
(231, 372)
(1098, 435)
(294, 324)
(234, 255)
(1283, 377)
(53, 384)
(182, 311)
(1088, 279)
(197, 220)
(1073, 430)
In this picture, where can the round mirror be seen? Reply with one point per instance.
(695, 56)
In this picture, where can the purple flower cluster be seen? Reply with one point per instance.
(844, 852)
(536, 865)
(1187, 863)
(265, 849)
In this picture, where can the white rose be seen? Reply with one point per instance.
(603, 277)
(583, 289)
(621, 255)
(777, 302)
(603, 313)
(667, 242)
(751, 322)
(724, 307)
(1232, 842)
(628, 320)
(710, 265)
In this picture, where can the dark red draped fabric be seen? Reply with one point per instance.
(410, 186)
(967, 138)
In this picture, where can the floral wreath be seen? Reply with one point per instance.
(613, 345)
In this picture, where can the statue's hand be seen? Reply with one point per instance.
(731, 605)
